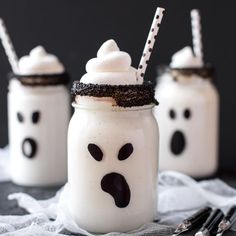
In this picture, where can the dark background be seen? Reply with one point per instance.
(74, 30)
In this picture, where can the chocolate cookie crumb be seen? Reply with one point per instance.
(206, 72)
(124, 95)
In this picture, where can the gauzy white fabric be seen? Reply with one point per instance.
(179, 196)
(4, 164)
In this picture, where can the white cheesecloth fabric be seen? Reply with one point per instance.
(179, 196)
(4, 164)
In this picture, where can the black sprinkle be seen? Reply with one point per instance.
(150, 49)
(157, 17)
(149, 41)
(158, 24)
(152, 29)
(142, 74)
(147, 61)
(144, 54)
(155, 36)
(140, 67)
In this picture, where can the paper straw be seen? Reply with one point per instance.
(149, 43)
(196, 34)
(8, 46)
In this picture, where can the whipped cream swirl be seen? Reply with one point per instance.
(40, 62)
(185, 59)
(111, 67)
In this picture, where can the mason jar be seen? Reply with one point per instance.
(38, 117)
(112, 166)
(188, 119)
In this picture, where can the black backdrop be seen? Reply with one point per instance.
(74, 30)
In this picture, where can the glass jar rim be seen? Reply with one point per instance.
(108, 107)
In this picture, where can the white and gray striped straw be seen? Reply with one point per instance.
(149, 44)
(8, 46)
(196, 34)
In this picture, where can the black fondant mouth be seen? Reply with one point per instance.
(32, 145)
(177, 143)
(116, 185)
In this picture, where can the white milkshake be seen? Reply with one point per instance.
(38, 111)
(188, 116)
(112, 146)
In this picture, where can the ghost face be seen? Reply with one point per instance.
(29, 144)
(112, 168)
(188, 118)
(178, 142)
(114, 183)
(38, 120)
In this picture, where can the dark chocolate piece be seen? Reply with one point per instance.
(42, 80)
(116, 185)
(124, 95)
(178, 143)
(35, 117)
(95, 151)
(125, 151)
(33, 147)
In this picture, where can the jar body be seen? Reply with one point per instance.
(188, 120)
(38, 118)
(115, 192)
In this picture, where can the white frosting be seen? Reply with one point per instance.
(40, 62)
(111, 66)
(185, 59)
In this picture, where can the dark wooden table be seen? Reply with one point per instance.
(11, 208)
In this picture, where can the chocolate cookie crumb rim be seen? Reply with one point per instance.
(206, 72)
(124, 95)
(42, 79)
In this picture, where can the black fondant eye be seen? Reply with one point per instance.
(172, 114)
(20, 117)
(187, 113)
(95, 151)
(35, 117)
(125, 151)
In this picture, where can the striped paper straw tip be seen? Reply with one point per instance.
(152, 36)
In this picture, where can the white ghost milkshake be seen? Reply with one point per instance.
(112, 146)
(188, 116)
(38, 111)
